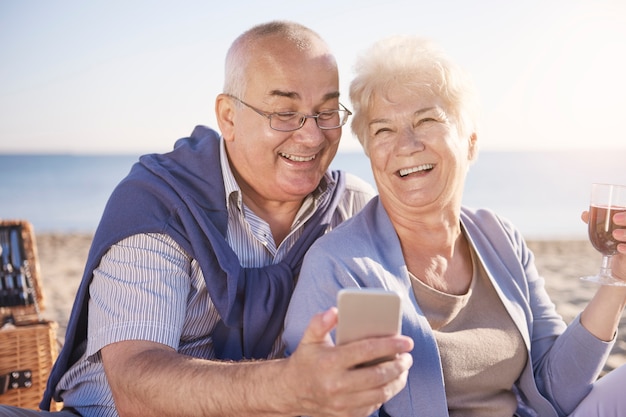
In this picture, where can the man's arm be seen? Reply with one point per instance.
(319, 379)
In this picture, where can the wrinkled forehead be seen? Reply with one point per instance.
(288, 66)
(396, 94)
(286, 51)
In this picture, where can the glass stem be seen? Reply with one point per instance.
(605, 269)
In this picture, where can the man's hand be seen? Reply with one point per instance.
(325, 380)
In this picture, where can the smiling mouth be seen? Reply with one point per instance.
(408, 171)
(296, 158)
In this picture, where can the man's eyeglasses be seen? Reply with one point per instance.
(288, 121)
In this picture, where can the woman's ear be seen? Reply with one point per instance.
(473, 147)
(225, 114)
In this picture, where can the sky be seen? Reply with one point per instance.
(132, 76)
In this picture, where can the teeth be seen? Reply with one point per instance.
(406, 171)
(296, 158)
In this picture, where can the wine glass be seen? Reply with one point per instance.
(606, 200)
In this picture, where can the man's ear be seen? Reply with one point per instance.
(225, 113)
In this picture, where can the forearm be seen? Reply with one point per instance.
(319, 379)
(164, 383)
(602, 315)
(567, 373)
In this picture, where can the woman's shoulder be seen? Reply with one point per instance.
(357, 228)
(485, 217)
(484, 225)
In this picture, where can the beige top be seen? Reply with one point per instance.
(482, 352)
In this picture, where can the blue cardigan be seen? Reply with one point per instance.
(181, 194)
(365, 251)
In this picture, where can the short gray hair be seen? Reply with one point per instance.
(238, 56)
(412, 63)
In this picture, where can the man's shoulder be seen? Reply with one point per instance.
(354, 196)
(356, 184)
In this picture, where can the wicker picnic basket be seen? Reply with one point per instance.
(28, 343)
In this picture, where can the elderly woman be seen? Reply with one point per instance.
(488, 340)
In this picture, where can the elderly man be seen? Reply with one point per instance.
(182, 303)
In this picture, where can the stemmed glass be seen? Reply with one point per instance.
(606, 200)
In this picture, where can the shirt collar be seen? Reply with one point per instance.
(231, 188)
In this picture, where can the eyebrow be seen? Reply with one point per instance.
(295, 95)
(416, 113)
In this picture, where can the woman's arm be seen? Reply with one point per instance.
(567, 368)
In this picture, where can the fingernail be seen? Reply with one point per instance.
(328, 316)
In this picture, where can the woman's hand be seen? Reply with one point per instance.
(619, 259)
(619, 234)
(603, 313)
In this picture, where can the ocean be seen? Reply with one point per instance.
(543, 193)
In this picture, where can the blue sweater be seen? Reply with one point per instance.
(181, 194)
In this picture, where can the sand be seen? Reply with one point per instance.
(62, 258)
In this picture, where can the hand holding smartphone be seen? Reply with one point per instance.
(367, 312)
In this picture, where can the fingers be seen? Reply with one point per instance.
(332, 387)
(619, 260)
(388, 378)
(366, 389)
(620, 234)
(620, 218)
(585, 216)
(330, 384)
(319, 327)
(390, 374)
(375, 350)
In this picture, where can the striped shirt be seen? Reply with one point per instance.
(146, 287)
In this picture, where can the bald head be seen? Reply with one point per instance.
(268, 41)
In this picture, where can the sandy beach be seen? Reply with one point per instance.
(62, 258)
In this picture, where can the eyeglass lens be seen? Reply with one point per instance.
(292, 121)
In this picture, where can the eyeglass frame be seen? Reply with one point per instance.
(303, 116)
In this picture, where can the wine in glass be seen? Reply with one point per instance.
(606, 200)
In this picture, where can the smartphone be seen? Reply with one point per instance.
(367, 312)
